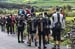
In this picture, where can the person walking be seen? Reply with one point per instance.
(58, 26)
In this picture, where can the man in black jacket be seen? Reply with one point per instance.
(41, 30)
(20, 27)
(47, 30)
(8, 24)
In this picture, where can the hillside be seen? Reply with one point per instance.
(24, 1)
(41, 2)
(17, 1)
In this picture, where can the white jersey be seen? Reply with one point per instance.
(55, 20)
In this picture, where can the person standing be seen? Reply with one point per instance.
(48, 24)
(41, 30)
(30, 24)
(32, 10)
(58, 26)
(3, 22)
(20, 11)
(12, 23)
(16, 21)
(0, 21)
(8, 24)
(32, 30)
(28, 12)
(28, 30)
(20, 27)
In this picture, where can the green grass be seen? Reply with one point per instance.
(52, 4)
(69, 18)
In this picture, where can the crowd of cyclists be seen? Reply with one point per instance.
(39, 27)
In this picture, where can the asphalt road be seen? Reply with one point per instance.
(10, 42)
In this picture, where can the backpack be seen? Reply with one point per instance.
(58, 23)
(20, 12)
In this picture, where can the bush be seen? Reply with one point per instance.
(71, 13)
(8, 11)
